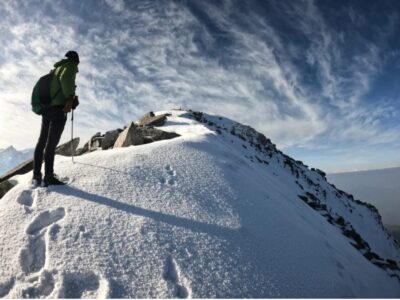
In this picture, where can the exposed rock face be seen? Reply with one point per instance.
(150, 119)
(93, 144)
(135, 135)
(146, 117)
(150, 134)
(95, 141)
(109, 139)
(5, 187)
(66, 149)
(130, 136)
(80, 151)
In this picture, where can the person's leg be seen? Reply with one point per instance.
(56, 129)
(41, 144)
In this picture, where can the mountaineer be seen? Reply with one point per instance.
(53, 97)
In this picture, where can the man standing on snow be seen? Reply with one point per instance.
(54, 117)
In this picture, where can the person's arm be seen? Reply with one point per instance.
(67, 80)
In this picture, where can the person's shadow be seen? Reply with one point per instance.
(193, 225)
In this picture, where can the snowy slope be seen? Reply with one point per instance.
(213, 213)
(11, 157)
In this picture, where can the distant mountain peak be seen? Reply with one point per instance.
(10, 157)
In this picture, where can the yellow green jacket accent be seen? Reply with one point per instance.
(65, 72)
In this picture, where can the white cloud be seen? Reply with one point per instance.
(116, 5)
(151, 58)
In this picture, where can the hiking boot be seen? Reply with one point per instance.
(51, 180)
(36, 181)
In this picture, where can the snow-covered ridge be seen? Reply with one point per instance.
(336, 206)
(216, 212)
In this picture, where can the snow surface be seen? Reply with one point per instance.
(195, 216)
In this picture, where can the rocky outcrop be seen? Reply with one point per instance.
(130, 136)
(143, 132)
(150, 119)
(5, 186)
(93, 144)
(109, 139)
(68, 148)
(145, 118)
(135, 135)
(150, 134)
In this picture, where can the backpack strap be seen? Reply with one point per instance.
(53, 71)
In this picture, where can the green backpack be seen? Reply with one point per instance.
(41, 95)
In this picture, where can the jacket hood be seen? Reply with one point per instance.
(63, 62)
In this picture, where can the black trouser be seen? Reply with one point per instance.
(53, 122)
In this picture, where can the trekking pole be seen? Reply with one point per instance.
(72, 135)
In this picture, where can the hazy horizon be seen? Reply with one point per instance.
(378, 187)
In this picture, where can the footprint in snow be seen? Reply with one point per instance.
(41, 286)
(25, 198)
(37, 286)
(170, 176)
(172, 276)
(169, 170)
(33, 256)
(45, 219)
(84, 285)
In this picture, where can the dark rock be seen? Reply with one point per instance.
(312, 197)
(65, 149)
(81, 151)
(128, 137)
(304, 198)
(340, 221)
(320, 172)
(371, 255)
(94, 143)
(134, 135)
(151, 120)
(109, 138)
(97, 134)
(5, 186)
(146, 117)
(153, 134)
(98, 140)
(198, 115)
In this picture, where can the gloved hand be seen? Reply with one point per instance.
(72, 103)
(75, 102)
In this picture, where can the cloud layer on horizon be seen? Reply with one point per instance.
(304, 77)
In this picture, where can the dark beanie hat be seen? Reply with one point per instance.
(73, 55)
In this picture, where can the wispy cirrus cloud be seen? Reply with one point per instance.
(282, 67)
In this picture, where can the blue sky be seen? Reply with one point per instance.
(320, 78)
